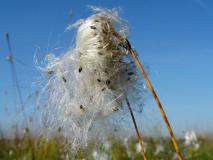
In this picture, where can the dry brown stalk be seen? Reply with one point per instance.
(137, 131)
(128, 46)
(174, 141)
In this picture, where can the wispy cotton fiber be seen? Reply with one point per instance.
(89, 83)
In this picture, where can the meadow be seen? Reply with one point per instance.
(115, 80)
(28, 147)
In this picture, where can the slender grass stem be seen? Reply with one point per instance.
(158, 103)
(128, 47)
(15, 79)
(137, 131)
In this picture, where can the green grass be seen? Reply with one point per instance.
(28, 148)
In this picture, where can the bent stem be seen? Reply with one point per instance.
(142, 149)
(128, 47)
(174, 141)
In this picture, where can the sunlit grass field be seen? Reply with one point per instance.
(56, 148)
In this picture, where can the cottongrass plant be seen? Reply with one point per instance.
(191, 143)
(191, 139)
(95, 80)
(86, 88)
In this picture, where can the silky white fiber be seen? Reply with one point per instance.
(89, 83)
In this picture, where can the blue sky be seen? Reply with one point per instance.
(174, 37)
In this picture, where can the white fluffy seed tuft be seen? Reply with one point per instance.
(89, 83)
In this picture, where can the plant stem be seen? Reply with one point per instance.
(128, 47)
(158, 103)
(137, 132)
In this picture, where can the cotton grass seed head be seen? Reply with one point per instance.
(89, 83)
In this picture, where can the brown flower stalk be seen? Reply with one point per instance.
(137, 131)
(128, 47)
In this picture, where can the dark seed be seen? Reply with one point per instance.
(50, 72)
(130, 73)
(96, 20)
(121, 44)
(103, 89)
(98, 80)
(80, 69)
(115, 109)
(81, 107)
(106, 72)
(93, 27)
(100, 53)
(64, 79)
(129, 79)
(104, 31)
(108, 82)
